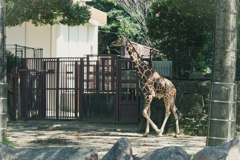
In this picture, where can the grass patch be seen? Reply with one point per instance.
(7, 142)
(192, 155)
(50, 141)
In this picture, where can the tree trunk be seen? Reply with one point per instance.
(3, 77)
(222, 105)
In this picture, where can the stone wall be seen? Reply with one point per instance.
(192, 101)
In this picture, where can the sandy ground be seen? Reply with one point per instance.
(100, 135)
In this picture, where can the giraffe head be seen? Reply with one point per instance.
(119, 42)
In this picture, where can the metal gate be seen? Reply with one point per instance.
(127, 99)
(53, 88)
(50, 88)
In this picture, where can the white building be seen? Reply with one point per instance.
(60, 40)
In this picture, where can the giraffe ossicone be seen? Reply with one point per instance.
(153, 86)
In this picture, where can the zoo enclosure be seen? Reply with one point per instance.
(53, 88)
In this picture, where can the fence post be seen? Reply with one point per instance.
(34, 53)
(15, 54)
(57, 91)
(23, 81)
(97, 77)
(76, 89)
(15, 75)
(25, 51)
(44, 92)
(88, 64)
(81, 87)
(103, 75)
(117, 88)
(112, 73)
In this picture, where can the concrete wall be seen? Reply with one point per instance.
(58, 40)
(39, 37)
(16, 35)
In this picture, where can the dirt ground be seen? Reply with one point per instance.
(100, 135)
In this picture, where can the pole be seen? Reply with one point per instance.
(222, 103)
(3, 77)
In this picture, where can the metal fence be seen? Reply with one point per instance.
(52, 88)
(15, 53)
(190, 61)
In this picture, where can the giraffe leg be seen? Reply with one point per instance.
(147, 127)
(174, 110)
(148, 100)
(167, 114)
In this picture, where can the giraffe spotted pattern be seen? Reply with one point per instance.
(153, 85)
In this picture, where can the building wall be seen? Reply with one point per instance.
(58, 40)
(39, 37)
(16, 35)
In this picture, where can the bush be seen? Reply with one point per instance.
(12, 61)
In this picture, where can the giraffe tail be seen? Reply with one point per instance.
(179, 114)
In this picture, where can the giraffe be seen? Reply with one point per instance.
(153, 85)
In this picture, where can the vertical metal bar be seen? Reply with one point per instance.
(210, 96)
(112, 73)
(44, 91)
(34, 53)
(117, 89)
(63, 80)
(76, 88)
(88, 64)
(81, 87)
(138, 92)
(54, 90)
(57, 90)
(15, 55)
(97, 77)
(25, 51)
(230, 115)
(66, 93)
(36, 101)
(23, 83)
(103, 74)
(15, 76)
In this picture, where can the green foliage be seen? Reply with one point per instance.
(5, 141)
(50, 141)
(43, 12)
(192, 155)
(119, 22)
(194, 24)
(198, 125)
(12, 61)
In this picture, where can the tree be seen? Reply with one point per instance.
(222, 111)
(119, 22)
(42, 12)
(139, 10)
(3, 78)
(194, 29)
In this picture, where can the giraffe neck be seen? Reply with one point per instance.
(144, 70)
(133, 53)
